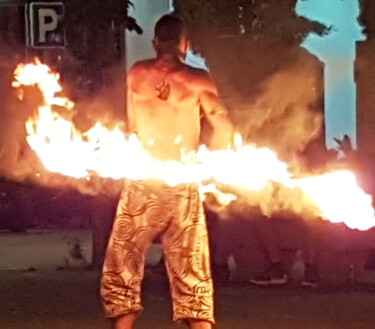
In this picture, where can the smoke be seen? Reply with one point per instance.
(286, 114)
(104, 104)
(273, 200)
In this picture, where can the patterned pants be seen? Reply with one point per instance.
(147, 209)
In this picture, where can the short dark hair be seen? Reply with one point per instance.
(169, 28)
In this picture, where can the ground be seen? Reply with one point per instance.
(69, 300)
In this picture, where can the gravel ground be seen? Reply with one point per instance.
(69, 300)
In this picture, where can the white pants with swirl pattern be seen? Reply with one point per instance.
(146, 210)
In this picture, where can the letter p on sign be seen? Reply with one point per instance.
(46, 30)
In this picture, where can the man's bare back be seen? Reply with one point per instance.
(166, 101)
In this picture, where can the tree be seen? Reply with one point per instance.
(367, 17)
(95, 29)
(246, 30)
(254, 19)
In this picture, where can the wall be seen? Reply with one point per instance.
(365, 76)
(146, 13)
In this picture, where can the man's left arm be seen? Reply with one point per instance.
(217, 116)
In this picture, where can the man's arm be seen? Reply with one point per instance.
(130, 115)
(217, 116)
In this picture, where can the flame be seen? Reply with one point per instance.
(340, 199)
(63, 149)
(40, 75)
(222, 198)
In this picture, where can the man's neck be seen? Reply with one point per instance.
(170, 58)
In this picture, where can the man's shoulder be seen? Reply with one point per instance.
(142, 65)
(201, 79)
(197, 72)
(198, 76)
(139, 70)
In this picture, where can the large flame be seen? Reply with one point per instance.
(340, 199)
(63, 149)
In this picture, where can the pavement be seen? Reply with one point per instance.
(68, 299)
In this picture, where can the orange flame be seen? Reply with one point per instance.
(340, 199)
(63, 149)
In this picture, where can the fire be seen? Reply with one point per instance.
(63, 149)
(48, 82)
(340, 199)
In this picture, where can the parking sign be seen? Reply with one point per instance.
(45, 23)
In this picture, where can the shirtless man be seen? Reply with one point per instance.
(166, 99)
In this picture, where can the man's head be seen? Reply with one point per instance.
(170, 36)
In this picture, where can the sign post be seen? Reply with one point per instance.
(45, 25)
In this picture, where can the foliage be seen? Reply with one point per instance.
(95, 28)
(257, 19)
(367, 17)
(97, 14)
(252, 48)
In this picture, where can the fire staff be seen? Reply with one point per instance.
(166, 100)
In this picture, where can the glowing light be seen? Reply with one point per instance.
(339, 198)
(63, 149)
